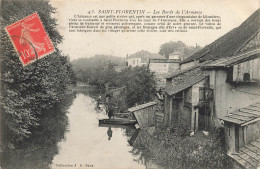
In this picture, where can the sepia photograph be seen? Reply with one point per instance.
(130, 84)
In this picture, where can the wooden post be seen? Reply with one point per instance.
(194, 122)
(165, 110)
(245, 129)
(170, 112)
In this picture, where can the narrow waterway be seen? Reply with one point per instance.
(86, 144)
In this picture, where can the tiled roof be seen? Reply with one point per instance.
(245, 115)
(249, 155)
(177, 73)
(132, 109)
(185, 81)
(164, 60)
(231, 42)
(145, 55)
(156, 56)
(176, 53)
(226, 62)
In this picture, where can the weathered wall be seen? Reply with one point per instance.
(173, 67)
(161, 70)
(252, 67)
(229, 98)
(195, 101)
(146, 116)
(230, 137)
(252, 132)
(176, 110)
(237, 136)
(188, 65)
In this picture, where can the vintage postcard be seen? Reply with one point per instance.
(130, 84)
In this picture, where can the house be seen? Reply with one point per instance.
(218, 79)
(235, 81)
(161, 68)
(242, 132)
(182, 53)
(188, 98)
(218, 86)
(176, 55)
(142, 58)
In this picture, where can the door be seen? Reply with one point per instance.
(205, 97)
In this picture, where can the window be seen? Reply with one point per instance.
(201, 94)
(246, 77)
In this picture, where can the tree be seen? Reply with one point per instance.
(86, 67)
(167, 48)
(140, 85)
(28, 91)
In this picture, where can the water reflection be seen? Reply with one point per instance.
(37, 152)
(69, 136)
(87, 143)
(109, 132)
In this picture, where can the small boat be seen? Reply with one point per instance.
(117, 121)
(117, 126)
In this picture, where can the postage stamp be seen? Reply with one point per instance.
(30, 39)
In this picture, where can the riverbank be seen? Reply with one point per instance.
(175, 149)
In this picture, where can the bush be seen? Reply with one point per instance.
(171, 149)
(28, 91)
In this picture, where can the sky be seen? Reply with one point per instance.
(84, 45)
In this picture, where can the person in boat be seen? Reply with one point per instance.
(98, 101)
(109, 133)
(110, 112)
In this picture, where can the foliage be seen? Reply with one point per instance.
(28, 91)
(118, 104)
(171, 150)
(140, 85)
(85, 67)
(38, 150)
(169, 47)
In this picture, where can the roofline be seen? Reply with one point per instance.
(206, 76)
(252, 121)
(247, 41)
(181, 72)
(185, 70)
(250, 57)
(196, 59)
(242, 124)
(245, 123)
(138, 107)
(166, 60)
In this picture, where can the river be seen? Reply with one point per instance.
(69, 137)
(86, 144)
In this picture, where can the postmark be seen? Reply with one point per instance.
(30, 39)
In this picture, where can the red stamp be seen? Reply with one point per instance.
(30, 39)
